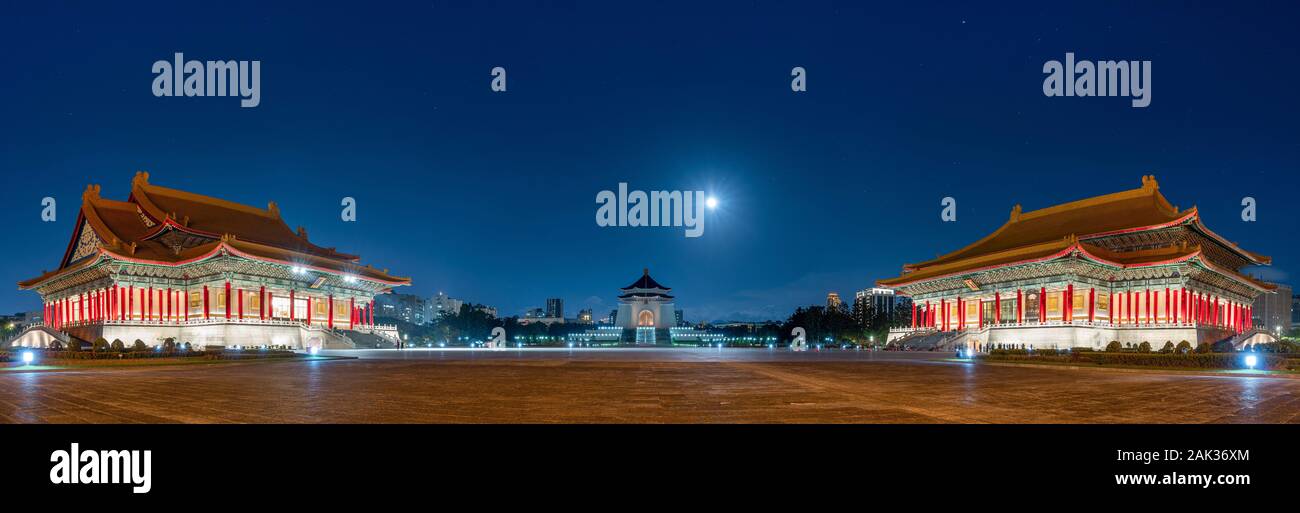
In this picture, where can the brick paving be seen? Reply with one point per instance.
(637, 386)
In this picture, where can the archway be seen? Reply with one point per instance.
(645, 318)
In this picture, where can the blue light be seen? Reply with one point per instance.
(1251, 361)
(28, 357)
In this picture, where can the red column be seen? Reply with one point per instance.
(352, 307)
(330, 316)
(207, 307)
(1218, 319)
(371, 307)
(943, 314)
(1069, 302)
(1092, 304)
(261, 303)
(228, 301)
(979, 314)
(240, 294)
(1020, 306)
(913, 315)
(292, 303)
(309, 310)
(997, 308)
(961, 313)
(1042, 304)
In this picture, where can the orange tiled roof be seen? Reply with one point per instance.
(130, 230)
(1132, 210)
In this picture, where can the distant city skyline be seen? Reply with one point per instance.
(491, 196)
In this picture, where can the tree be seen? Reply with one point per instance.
(1184, 347)
(169, 345)
(139, 346)
(118, 346)
(1114, 347)
(1144, 347)
(821, 324)
(1168, 347)
(100, 345)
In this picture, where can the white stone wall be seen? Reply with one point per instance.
(1094, 337)
(220, 334)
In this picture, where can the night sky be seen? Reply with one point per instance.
(490, 196)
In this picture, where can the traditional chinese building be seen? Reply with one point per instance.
(1127, 267)
(173, 264)
(645, 316)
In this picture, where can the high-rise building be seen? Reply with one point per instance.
(1273, 311)
(407, 307)
(833, 301)
(555, 308)
(443, 304)
(584, 316)
(868, 303)
(1295, 311)
(679, 316)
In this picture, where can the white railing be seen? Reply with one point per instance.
(1085, 323)
(222, 320)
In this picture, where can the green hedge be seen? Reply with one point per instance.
(248, 355)
(1185, 361)
(108, 355)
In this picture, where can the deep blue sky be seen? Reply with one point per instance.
(490, 197)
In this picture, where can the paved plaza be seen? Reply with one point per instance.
(637, 386)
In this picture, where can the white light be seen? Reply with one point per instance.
(712, 202)
(1251, 360)
(27, 357)
(313, 350)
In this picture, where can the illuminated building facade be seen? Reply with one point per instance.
(1127, 267)
(170, 264)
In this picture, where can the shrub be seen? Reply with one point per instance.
(118, 346)
(1184, 347)
(1168, 347)
(139, 346)
(1144, 347)
(74, 345)
(169, 345)
(100, 345)
(1114, 347)
(55, 345)
(1203, 348)
(1223, 346)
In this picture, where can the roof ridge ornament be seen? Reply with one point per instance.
(92, 191)
(141, 178)
(1015, 212)
(1149, 182)
(273, 209)
(302, 232)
